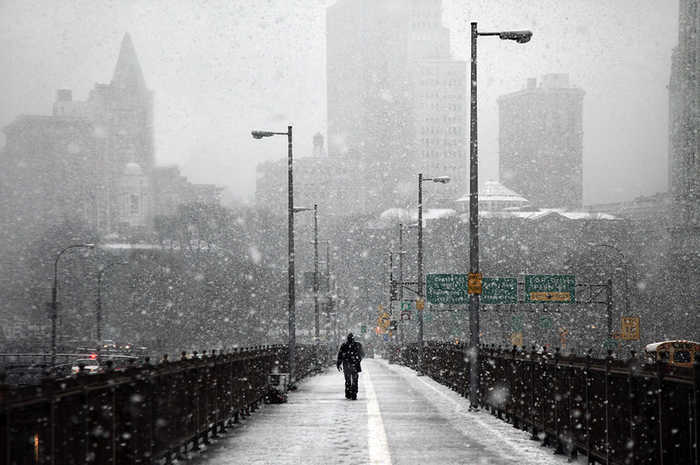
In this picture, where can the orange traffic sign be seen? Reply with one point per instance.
(630, 328)
(474, 283)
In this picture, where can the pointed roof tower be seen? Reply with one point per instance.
(127, 73)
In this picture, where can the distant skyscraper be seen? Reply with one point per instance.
(396, 100)
(541, 142)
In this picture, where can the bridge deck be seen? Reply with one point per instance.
(398, 418)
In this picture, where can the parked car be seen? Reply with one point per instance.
(90, 365)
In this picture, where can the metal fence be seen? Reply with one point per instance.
(612, 411)
(138, 415)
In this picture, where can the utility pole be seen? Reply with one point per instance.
(608, 307)
(419, 301)
(401, 252)
(317, 329)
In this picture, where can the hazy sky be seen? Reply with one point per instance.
(220, 68)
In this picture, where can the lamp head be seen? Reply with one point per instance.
(301, 209)
(442, 179)
(261, 134)
(520, 37)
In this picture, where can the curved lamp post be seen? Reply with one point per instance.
(520, 37)
(421, 301)
(290, 248)
(54, 295)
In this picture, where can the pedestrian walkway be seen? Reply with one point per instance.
(398, 418)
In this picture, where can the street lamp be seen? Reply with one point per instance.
(520, 37)
(100, 273)
(316, 241)
(54, 295)
(290, 248)
(420, 302)
(625, 279)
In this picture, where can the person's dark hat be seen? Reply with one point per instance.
(350, 337)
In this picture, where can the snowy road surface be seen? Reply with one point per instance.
(398, 418)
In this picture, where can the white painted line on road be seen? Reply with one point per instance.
(378, 445)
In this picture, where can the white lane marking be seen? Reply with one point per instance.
(378, 445)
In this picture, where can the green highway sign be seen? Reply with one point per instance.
(550, 288)
(517, 323)
(545, 322)
(447, 288)
(499, 291)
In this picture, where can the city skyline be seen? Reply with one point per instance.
(204, 119)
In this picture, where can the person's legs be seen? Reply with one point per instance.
(348, 383)
(355, 379)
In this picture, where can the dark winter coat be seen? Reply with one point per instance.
(350, 355)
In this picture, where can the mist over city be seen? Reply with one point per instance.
(485, 214)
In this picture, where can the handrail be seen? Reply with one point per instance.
(613, 411)
(140, 414)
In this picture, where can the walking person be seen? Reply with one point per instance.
(349, 357)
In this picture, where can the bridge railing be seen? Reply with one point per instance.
(613, 411)
(140, 414)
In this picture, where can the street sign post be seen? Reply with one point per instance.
(499, 291)
(550, 288)
(630, 328)
(447, 288)
(406, 307)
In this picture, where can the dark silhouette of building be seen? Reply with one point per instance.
(91, 161)
(541, 142)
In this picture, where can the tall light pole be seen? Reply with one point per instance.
(420, 302)
(100, 273)
(328, 288)
(290, 247)
(54, 295)
(474, 379)
(317, 330)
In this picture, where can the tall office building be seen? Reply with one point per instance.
(684, 109)
(396, 100)
(682, 258)
(541, 142)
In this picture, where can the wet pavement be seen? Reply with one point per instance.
(398, 418)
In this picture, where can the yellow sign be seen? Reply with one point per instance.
(516, 339)
(630, 328)
(474, 283)
(384, 321)
(420, 304)
(550, 296)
